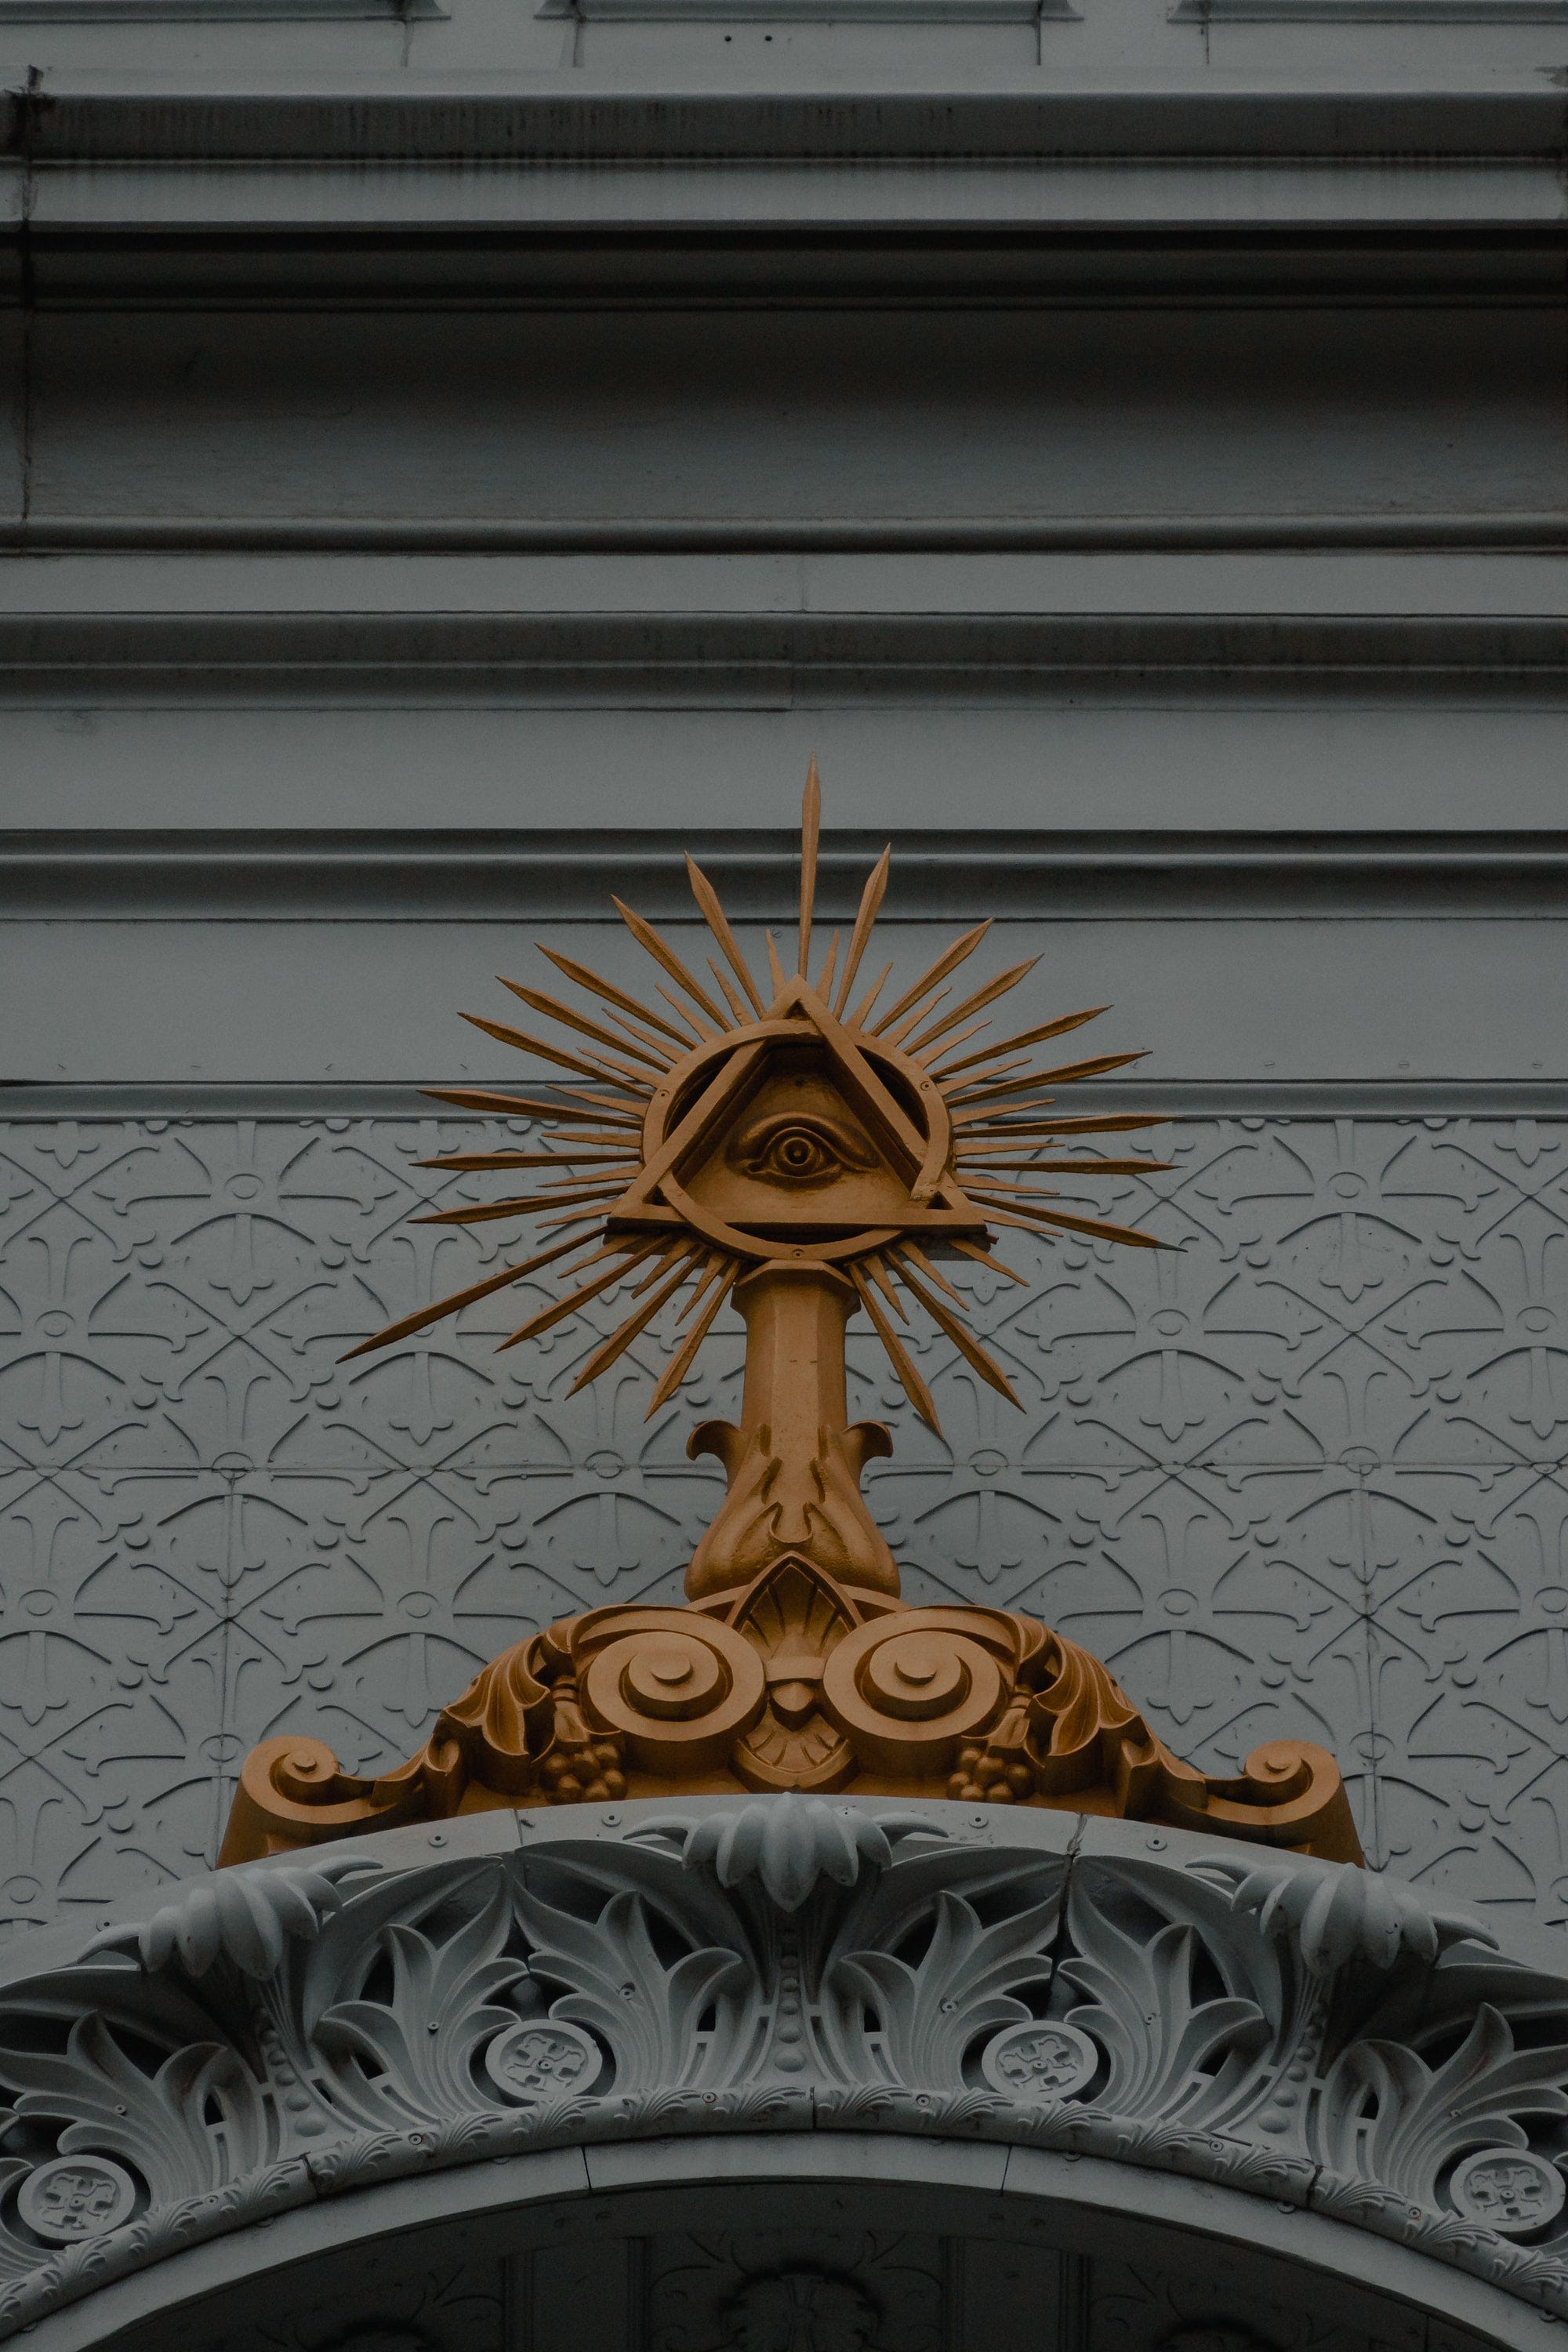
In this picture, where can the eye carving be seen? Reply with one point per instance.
(790, 1149)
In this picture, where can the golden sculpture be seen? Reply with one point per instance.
(808, 1157)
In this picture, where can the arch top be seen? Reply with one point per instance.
(1103, 2016)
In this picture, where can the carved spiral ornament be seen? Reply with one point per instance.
(679, 1689)
(906, 1690)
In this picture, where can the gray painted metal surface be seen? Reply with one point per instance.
(1305, 1476)
(449, 463)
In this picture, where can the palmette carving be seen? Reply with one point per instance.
(787, 1963)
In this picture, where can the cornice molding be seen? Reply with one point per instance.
(1301, 2035)
(626, 659)
(1544, 532)
(565, 164)
(1277, 1101)
(574, 121)
(437, 876)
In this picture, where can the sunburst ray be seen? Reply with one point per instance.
(611, 1161)
(609, 993)
(866, 916)
(668, 962)
(948, 962)
(810, 830)
(713, 915)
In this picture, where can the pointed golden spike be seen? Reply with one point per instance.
(631, 1253)
(610, 993)
(667, 959)
(825, 980)
(608, 1107)
(1071, 1166)
(587, 1066)
(865, 919)
(656, 1048)
(1096, 1226)
(1025, 1037)
(472, 1162)
(949, 960)
(897, 1036)
(1068, 1073)
(676, 1370)
(997, 1188)
(526, 1206)
(524, 1106)
(410, 1324)
(1118, 1123)
(979, 1000)
(1019, 1070)
(732, 995)
(681, 1245)
(594, 1216)
(713, 915)
(910, 1380)
(553, 1010)
(968, 1347)
(917, 1256)
(857, 1018)
(620, 1339)
(810, 829)
(878, 1271)
(775, 969)
(984, 1257)
(973, 1149)
(988, 1117)
(704, 1030)
(928, 1060)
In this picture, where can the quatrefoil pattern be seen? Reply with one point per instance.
(1310, 1474)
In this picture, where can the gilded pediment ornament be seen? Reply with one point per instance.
(805, 1148)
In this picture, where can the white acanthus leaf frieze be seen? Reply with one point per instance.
(1089, 1988)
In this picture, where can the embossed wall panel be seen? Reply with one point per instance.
(1307, 1473)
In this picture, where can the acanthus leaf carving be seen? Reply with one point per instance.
(620, 1975)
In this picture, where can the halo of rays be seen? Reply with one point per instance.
(618, 1049)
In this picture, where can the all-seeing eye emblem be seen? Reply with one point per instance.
(737, 1136)
(800, 1148)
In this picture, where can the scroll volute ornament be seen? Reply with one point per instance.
(810, 1157)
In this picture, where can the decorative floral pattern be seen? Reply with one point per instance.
(611, 1978)
(1310, 1473)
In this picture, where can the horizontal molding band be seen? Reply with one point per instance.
(211, 12)
(1176, 1098)
(809, 12)
(1370, 12)
(449, 535)
(576, 122)
(452, 263)
(770, 658)
(442, 877)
